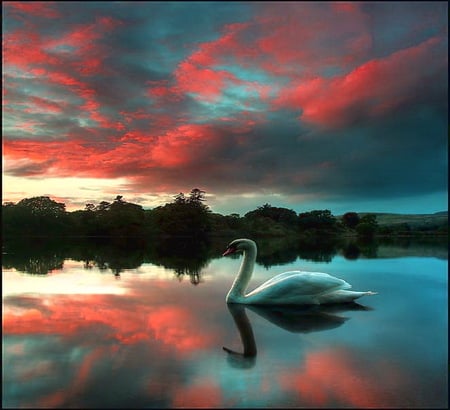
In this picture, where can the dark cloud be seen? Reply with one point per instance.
(30, 169)
(394, 26)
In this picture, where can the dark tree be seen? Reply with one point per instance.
(37, 216)
(350, 219)
(197, 196)
(319, 220)
(286, 217)
(103, 206)
(367, 226)
(43, 206)
(180, 198)
(183, 217)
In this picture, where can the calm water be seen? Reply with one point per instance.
(84, 334)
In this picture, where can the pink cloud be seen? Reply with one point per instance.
(371, 89)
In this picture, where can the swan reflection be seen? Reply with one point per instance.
(247, 358)
(294, 319)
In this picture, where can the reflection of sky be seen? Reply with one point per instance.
(150, 340)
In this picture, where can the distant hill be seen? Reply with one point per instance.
(413, 220)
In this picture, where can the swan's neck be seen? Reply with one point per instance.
(237, 291)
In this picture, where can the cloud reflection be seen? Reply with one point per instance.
(338, 375)
(75, 342)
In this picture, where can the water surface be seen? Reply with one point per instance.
(85, 334)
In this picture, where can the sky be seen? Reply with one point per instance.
(303, 105)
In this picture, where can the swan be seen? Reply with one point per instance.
(288, 288)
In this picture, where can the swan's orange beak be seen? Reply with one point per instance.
(229, 251)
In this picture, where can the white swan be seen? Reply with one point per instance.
(288, 288)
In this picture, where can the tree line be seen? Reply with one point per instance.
(187, 215)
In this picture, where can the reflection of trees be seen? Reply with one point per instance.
(276, 251)
(115, 254)
(41, 265)
(368, 247)
(183, 255)
(361, 246)
(351, 251)
(37, 257)
(318, 248)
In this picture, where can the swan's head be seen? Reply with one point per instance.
(239, 245)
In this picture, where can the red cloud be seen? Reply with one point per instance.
(83, 43)
(36, 8)
(65, 60)
(45, 105)
(24, 49)
(272, 42)
(181, 145)
(206, 83)
(296, 38)
(212, 53)
(369, 90)
(199, 73)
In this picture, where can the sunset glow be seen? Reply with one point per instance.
(306, 105)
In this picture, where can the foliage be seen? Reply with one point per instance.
(319, 219)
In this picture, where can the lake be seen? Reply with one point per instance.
(134, 328)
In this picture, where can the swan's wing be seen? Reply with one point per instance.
(281, 276)
(294, 285)
(309, 280)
